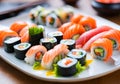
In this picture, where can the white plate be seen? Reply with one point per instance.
(96, 69)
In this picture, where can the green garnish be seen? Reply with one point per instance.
(35, 30)
(36, 65)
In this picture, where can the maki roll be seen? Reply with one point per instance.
(42, 17)
(35, 34)
(102, 49)
(53, 56)
(57, 34)
(48, 42)
(10, 42)
(67, 67)
(35, 53)
(52, 20)
(64, 14)
(34, 13)
(69, 42)
(78, 54)
(21, 49)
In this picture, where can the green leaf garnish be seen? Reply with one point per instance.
(35, 30)
(36, 65)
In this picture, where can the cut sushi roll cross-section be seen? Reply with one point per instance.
(10, 42)
(48, 42)
(102, 49)
(67, 67)
(52, 20)
(21, 49)
(57, 34)
(69, 42)
(78, 54)
(35, 53)
(35, 34)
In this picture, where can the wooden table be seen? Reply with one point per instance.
(10, 75)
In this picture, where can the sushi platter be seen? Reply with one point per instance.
(42, 42)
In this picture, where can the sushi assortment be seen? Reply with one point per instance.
(65, 50)
(50, 18)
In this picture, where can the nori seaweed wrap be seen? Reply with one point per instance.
(69, 42)
(35, 34)
(21, 49)
(57, 34)
(67, 67)
(48, 42)
(10, 42)
(78, 54)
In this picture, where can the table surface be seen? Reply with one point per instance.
(10, 75)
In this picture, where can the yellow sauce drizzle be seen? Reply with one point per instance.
(50, 73)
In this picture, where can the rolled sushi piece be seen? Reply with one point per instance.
(4, 34)
(102, 49)
(42, 17)
(10, 42)
(53, 56)
(34, 13)
(65, 15)
(67, 67)
(48, 42)
(21, 49)
(69, 42)
(35, 34)
(52, 20)
(57, 34)
(35, 53)
(78, 54)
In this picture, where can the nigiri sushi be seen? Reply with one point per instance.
(35, 53)
(89, 34)
(102, 49)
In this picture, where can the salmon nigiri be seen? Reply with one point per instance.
(5, 34)
(18, 25)
(102, 49)
(74, 32)
(35, 53)
(89, 34)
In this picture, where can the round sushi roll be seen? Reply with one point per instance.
(57, 34)
(69, 42)
(48, 42)
(78, 54)
(21, 49)
(35, 12)
(52, 20)
(35, 53)
(67, 67)
(102, 49)
(10, 42)
(35, 34)
(42, 17)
